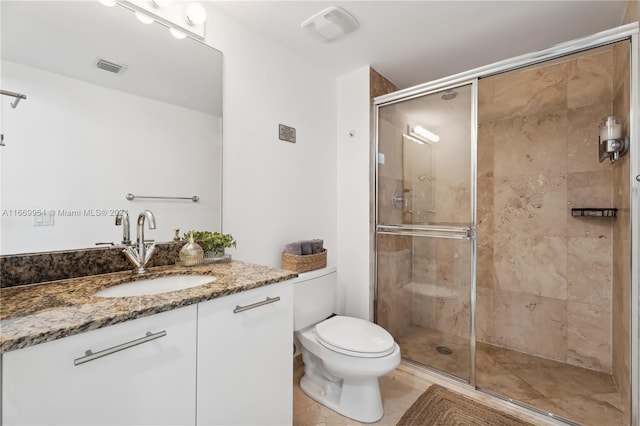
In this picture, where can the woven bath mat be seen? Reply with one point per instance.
(441, 407)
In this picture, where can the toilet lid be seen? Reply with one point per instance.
(354, 336)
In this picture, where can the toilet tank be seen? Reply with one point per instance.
(314, 297)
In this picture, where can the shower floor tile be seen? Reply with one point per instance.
(420, 344)
(578, 394)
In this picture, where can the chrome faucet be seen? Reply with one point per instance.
(140, 253)
(122, 218)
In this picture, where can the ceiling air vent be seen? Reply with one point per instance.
(330, 24)
(103, 64)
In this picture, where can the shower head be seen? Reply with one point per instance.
(448, 95)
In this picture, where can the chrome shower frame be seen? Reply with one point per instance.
(625, 32)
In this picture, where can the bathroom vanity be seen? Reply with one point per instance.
(219, 353)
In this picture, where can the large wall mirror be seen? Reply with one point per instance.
(86, 137)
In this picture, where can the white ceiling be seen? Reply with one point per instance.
(412, 42)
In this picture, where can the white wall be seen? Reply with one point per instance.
(75, 146)
(353, 115)
(274, 192)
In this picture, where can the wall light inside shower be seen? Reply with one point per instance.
(421, 135)
(612, 144)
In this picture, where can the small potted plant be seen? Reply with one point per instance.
(213, 243)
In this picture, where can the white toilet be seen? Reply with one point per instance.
(343, 356)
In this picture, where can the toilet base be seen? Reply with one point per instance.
(358, 399)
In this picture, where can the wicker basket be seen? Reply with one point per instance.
(308, 262)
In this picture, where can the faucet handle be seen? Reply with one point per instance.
(110, 243)
(149, 252)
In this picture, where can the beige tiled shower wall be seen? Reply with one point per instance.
(394, 274)
(621, 229)
(543, 276)
(394, 267)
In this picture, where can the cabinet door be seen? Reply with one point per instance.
(245, 358)
(149, 383)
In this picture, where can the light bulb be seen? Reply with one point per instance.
(144, 18)
(108, 3)
(177, 34)
(196, 14)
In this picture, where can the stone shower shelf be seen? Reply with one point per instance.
(594, 212)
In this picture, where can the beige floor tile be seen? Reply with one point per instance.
(572, 392)
(399, 390)
(582, 409)
(567, 381)
(493, 376)
(420, 344)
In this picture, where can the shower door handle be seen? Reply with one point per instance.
(398, 199)
(458, 233)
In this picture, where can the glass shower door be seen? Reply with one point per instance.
(425, 228)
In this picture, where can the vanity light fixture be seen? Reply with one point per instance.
(145, 19)
(182, 18)
(177, 33)
(421, 131)
(415, 139)
(421, 135)
(162, 3)
(611, 143)
(196, 14)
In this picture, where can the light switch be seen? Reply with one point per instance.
(46, 219)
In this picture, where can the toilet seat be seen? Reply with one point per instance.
(354, 337)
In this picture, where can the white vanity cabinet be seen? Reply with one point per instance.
(151, 380)
(245, 347)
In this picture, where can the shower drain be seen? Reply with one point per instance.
(444, 350)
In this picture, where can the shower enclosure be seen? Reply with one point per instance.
(484, 273)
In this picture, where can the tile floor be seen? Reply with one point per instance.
(399, 389)
(578, 394)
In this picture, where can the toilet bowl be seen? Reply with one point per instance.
(343, 356)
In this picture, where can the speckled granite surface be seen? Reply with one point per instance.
(29, 268)
(39, 313)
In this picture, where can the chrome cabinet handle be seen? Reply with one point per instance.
(90, 356)
(268, 300)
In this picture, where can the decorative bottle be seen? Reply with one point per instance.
(191, 253)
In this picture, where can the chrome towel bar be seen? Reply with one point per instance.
(18, 96)
(132, 197)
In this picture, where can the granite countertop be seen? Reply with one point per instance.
(39, 313)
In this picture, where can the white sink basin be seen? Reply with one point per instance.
(156, 285)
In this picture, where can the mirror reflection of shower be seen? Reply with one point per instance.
(431, 134)
(418, 156)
